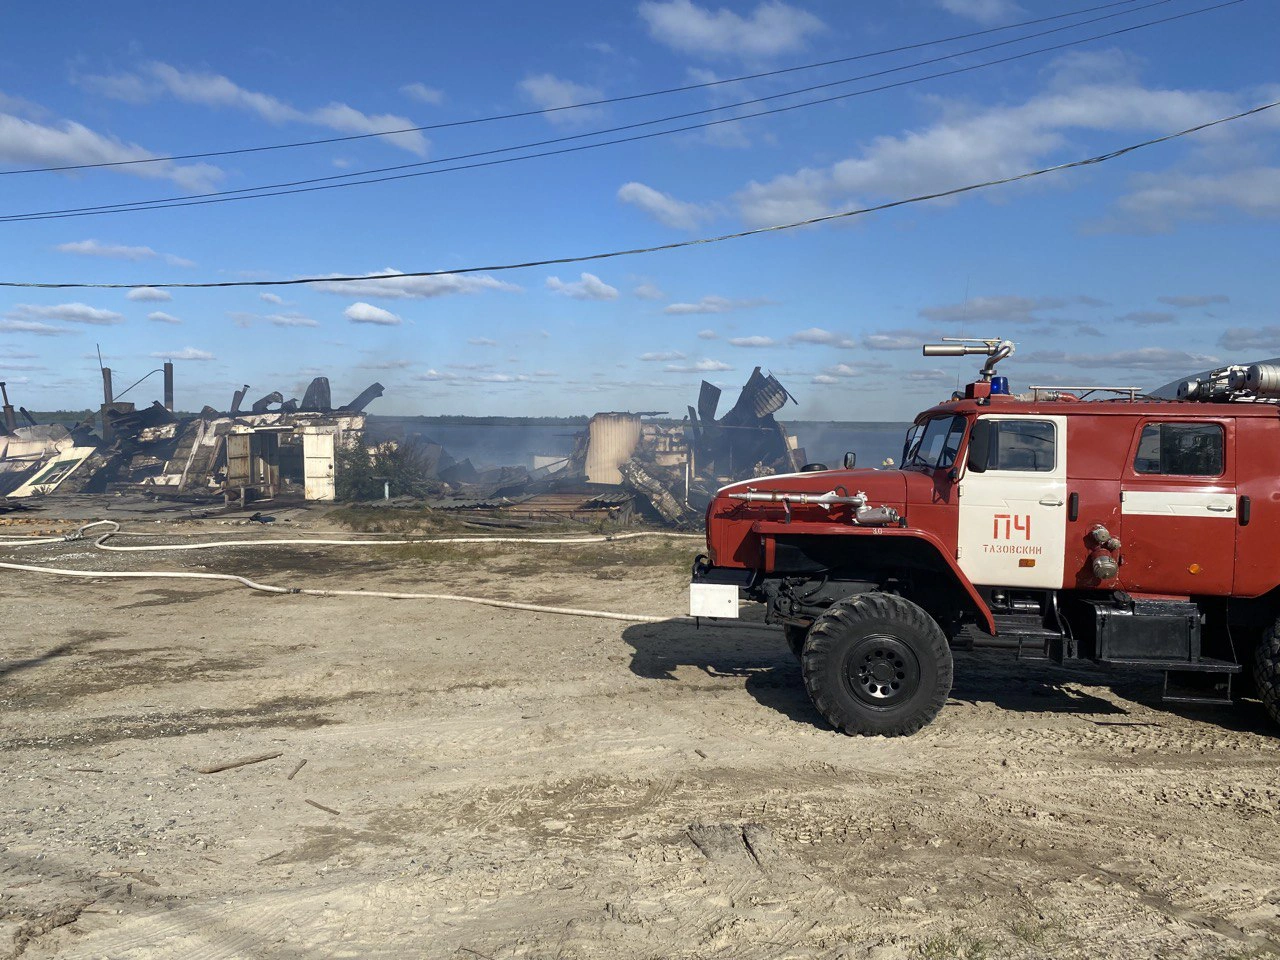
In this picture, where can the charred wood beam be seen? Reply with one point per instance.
(260, 406)
(370, 393)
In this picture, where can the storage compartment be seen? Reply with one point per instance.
(1162, 631)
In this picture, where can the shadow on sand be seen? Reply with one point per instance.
(759, 655)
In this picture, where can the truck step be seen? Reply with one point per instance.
(1203, 665)
(1216, 696)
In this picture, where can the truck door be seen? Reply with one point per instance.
(1013, 520)
(1178, 502)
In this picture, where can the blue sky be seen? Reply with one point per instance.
(1135, 271)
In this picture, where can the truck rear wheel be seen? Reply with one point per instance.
(796, 636)
(1266, 670)
(876, 664)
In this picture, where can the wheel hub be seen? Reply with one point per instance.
(881, 670)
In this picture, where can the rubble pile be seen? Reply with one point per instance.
(229, 456)
(624, 465)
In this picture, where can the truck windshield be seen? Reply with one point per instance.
(935, 443)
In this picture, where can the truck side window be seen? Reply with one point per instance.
(1181, 449)
(1024, 445)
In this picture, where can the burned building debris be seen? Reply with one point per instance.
(624, 465)
(279, 448)
(628, 465)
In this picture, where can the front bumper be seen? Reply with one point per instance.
(715, 591)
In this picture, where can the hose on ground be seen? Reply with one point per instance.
(307, 592)
(99, 542)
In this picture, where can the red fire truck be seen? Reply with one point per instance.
(1078, 524)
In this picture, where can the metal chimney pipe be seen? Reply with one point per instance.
(168, 385)
(108, 397)
(10, 422)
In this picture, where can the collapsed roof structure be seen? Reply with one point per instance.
(626, 464)
(281, 446)
(622, 465)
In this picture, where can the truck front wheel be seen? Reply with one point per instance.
(876, 664)
(1266, 670)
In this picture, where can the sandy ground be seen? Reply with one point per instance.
(503, 784)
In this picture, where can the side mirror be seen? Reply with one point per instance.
(980, 446)
(850, 459)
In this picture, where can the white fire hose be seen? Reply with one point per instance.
(100, 543)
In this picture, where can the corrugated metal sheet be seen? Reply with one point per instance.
(611, 440)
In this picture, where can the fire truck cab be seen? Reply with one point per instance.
(1081, 524)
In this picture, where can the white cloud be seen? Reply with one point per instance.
(148, 295)
(34, 326)
(1146, 318)
(857, 369)
(386, 365)
(895, 340)
(445, 376)
(824, 378)
(700, 366)
(984, 11)
(214, 90)
(1002, 141)
(649, 291)
(772, 28)
(482, 342)
(1204, 300)
(161, 317)
(301, 320)
(663, 207)
(423, 94)
(396, 286)
(714, 305)
(752, 342)
(1262, 339)
(929, 376)
(823, 338)
(186, 353)
(589, 287)
(1158, 358)
(66, 312)
(31, 144)
(1160, 199)
(1004, 308)
(367, 313)
(708, 335)
(549, 92)
(662, 356)
(115, 251)
(271, 298)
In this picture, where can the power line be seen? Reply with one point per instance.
(345, 179)
(573, 106)
(327, 183)
(702, 241)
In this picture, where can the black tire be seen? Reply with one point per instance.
(877, 665)
(1266, 670)
(795, 637)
